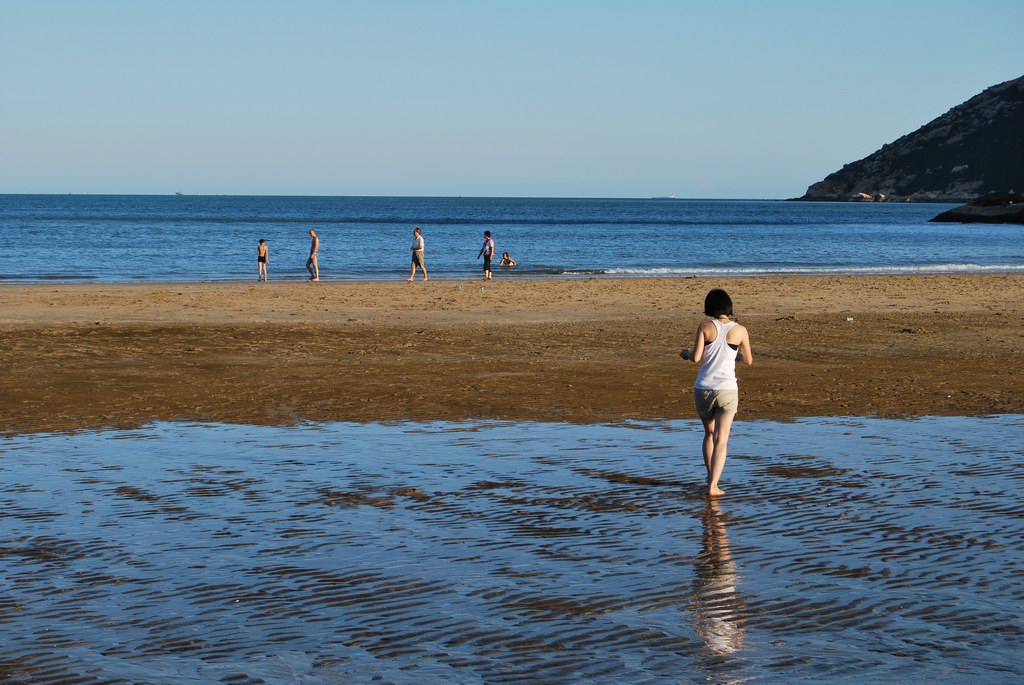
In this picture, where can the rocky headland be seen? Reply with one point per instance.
(993, 208)
(973, 149)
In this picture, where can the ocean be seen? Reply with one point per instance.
(113, 238)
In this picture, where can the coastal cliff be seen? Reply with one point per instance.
(973, 149)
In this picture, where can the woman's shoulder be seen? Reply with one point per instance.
(737, 331)
(706, 327)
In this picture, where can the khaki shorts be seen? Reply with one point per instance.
(417, 258)
(710, 401)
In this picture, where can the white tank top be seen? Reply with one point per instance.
(718, 366)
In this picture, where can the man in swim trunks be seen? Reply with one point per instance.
(311, 264)
(262, 259)
(417, 255)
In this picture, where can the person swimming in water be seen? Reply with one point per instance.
(506, 260)
(718, 345)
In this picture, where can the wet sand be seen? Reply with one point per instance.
(588, 350)
(846, 551)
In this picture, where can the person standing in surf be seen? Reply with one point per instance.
(718, 345)
(487, 252)
(262, 259)
(314, 250)
(417, 255)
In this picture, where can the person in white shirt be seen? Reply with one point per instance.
(417, 255)
(718, 345)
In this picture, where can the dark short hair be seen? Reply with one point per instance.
(262, 240)
(416, 229)
(487, 233)
(718, 303)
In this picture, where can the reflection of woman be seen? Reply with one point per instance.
(506, 260)
(717, 607)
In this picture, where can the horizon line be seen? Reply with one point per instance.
(436, 197)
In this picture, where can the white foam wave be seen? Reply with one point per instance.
(811, 270)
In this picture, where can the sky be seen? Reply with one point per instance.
(639, 98)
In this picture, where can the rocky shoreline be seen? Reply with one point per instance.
(993, 208)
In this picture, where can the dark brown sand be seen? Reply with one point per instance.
(74, 356)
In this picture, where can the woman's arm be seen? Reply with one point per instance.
(745, 355)
(698, 347)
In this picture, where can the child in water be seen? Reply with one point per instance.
(262, 258)
(506, 260)
(718, 345)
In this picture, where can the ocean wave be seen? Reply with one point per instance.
(810, 270)
(48, 277)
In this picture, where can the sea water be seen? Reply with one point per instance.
(117, 238)
(846, 550)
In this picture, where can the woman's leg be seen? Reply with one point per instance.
(708, 445)
(722, 428)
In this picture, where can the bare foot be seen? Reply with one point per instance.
(408, 280)
(715, 491)
(315, 279)
(424, 278)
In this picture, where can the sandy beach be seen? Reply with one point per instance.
(590, 350)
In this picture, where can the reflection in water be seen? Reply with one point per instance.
(717, 607)
(505, 552)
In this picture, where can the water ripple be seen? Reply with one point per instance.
(880, 551)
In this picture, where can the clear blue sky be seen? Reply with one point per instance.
(621, 99)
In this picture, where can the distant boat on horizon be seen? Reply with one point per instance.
(179, 193)
(664, 197)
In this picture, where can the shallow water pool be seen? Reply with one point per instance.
(845, 550)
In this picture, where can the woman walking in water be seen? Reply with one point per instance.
(718, 345)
